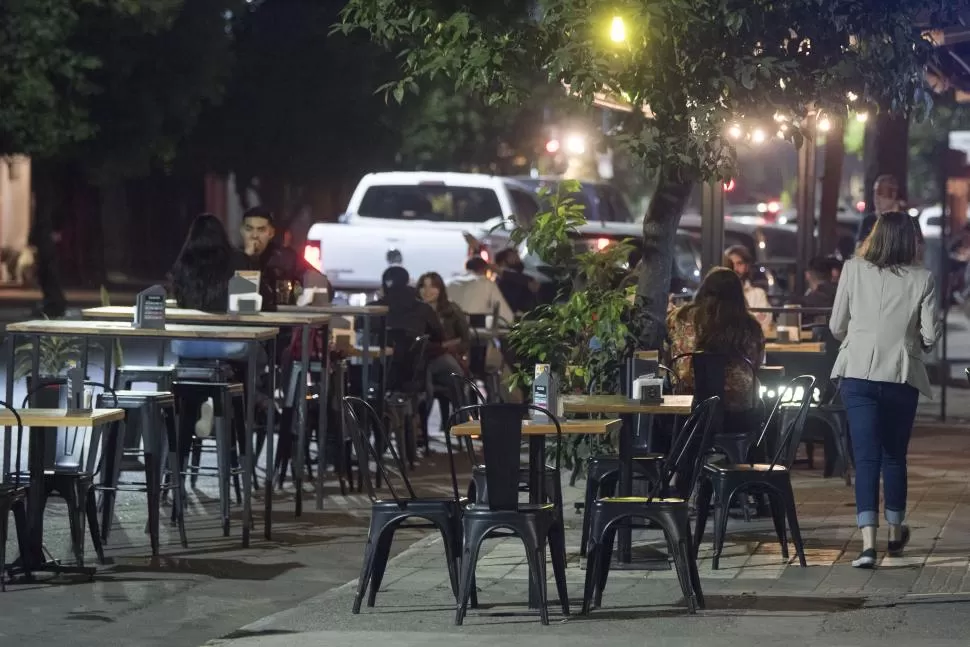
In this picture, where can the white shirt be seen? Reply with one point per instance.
(479, 295)
(757, 298)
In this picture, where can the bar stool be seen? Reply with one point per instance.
(228, 423)
(125, 378)
(145, 412)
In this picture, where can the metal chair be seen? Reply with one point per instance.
(536, 524)
(387, 515)
(666, 506)
(13, 497)
(724, 482)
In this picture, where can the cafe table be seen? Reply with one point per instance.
(366, 353)
(796, 347)
(252, 336)
(672, 405)
(41, 423)
(536, 432)
(305, 322)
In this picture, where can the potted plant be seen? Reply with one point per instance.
(587, 333)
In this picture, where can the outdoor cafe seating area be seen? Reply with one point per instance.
(674, 463)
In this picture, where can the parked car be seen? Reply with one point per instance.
(602, 201)
(418, 220)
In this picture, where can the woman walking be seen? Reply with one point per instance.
(885, 316)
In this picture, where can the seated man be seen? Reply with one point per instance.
(476, 294)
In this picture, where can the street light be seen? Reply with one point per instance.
(862, 117)
(617, 30)
(576, 144)
(735, 131)
(758, 136)
(824, 125)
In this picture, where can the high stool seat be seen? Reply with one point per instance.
(125, 378)
(228, 424)
(146, 412)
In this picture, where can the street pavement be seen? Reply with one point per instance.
(298, 587)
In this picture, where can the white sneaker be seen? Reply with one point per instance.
(203, 426)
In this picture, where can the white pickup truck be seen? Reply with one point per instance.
(417, 220)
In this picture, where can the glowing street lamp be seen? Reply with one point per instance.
(758, 136)
(862, 117)
(735, 132)
(576, 144)
(824, 125)
(617, 30)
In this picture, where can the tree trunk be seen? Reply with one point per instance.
(831, 184)
(659, 236)
(53, 302)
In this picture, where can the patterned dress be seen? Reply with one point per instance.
(739, 387)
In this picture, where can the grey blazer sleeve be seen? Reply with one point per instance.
(929, 324)
(839, 321)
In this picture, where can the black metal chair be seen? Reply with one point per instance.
(536, 524)
(70, 468)
(666, 506)
(147, 412)
(734, 432)
(13, 495)
(406, 389)
(724, 482)
(478, 486)
(387, 515)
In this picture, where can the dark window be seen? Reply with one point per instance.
(525, 204)
(435, 203)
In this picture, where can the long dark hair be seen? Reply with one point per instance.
(436, 280)
(720, 315)
(893, 242)
(201, 273)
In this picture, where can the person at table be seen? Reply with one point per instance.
(885, 198)
(518, 288)
(885, 316)
(453, 351)
(274, 261)
(451, 356)
(199, 280)
(718, 321)
(477, 294)
(821, 290)
(738, 258)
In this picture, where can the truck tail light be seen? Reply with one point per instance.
(313, 256)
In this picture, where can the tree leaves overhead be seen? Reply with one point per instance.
(698, 64)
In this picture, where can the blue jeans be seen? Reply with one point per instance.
(191, 349)
(881, 418)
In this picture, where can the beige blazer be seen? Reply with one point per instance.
(885, 321)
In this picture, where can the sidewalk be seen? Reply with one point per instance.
(754, 595)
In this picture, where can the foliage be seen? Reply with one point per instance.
(71, 70)
(925, 144)
(57, 355)
(697, 73)
(586, 334)
(687, 69)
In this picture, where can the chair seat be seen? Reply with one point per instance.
(744, 467)
(524, 508)
(415, 505)
(639, 499)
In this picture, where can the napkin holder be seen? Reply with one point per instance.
(648, 389)
(244, 296)
(150, 309)
(545, 393)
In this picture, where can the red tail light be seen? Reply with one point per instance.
(313, 256)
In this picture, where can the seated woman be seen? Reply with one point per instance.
(718, 321)
(451, 355)
(199, 280)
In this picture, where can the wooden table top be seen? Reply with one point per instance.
(806, 335)
(183, 315)
(802, 347)
(531, 428)
(674, 405)
(93, 328)
(61, 417)
(336, 310)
